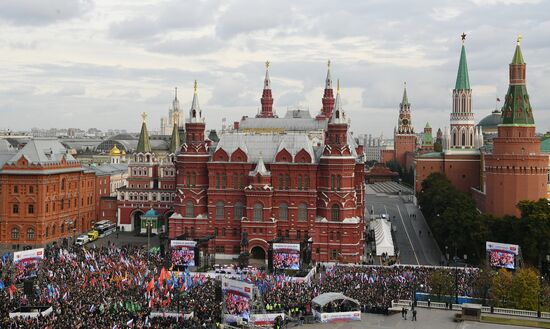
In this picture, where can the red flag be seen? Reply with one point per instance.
(151, 285)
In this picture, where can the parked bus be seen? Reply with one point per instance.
(105, 230)
(101, 223)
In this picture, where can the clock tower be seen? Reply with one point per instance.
(404, 137)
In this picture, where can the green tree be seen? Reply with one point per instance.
(501, 287)
(441, 283)
(525, 289)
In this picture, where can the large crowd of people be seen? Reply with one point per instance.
(116, 287)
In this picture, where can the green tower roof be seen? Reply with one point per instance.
(462, 79)
(144, 145)
(175, 140)
(517, 109)
(518, 56)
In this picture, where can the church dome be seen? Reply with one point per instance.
(115, 151)
(490, 123)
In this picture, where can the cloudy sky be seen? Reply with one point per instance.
(100, 63)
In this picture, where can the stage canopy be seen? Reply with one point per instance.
(328, 297)
(382, 235)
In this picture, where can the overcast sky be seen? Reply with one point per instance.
(100, 63)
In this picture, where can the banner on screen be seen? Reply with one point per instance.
(286, 256)
(183, 252)
(237, 298)
(502, 254)
(27, 263)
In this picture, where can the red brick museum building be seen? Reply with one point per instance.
(281, 178)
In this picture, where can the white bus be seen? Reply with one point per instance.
(105, 230)
(101, 223)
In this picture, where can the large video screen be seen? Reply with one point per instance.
(183, 252)
(237, 297)
(286, 256)
(502, 255)
(27, 263)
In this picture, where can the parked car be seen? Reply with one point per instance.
(82, 240)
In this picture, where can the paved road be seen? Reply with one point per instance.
(427, 319)
(413, 239)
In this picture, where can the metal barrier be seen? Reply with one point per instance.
(484, 309)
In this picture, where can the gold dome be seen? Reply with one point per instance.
(115, 151)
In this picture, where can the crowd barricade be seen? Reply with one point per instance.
(484, 309)
(31, 312)
(265, 319)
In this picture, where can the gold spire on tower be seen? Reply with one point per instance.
(195, 87)
(338, 86)
(144, 116)
(519, 39)
(328, 63)
(267, 65)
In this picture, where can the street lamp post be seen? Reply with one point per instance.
(539, 304)
(148, 224)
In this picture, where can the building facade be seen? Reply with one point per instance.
(264, 185)
(45, 195)
(150, 184)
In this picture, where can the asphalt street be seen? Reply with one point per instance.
(413, 237)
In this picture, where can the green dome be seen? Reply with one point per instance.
(151, 213)
(491, 121)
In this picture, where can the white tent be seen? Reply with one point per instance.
(382, 236)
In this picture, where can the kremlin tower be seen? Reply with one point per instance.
(267, 99)
(404, 137)
(516, 170)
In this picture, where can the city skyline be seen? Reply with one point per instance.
(100, 63)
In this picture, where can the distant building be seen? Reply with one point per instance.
(175, 116)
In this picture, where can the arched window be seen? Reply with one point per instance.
(258, 212)
(335, 213)
(189, 209)
(239, 210)
(332, 182)
(281, 182)
(219, 209)
(188, 180)
(30, 234)
(235, 181)
(299, 182)
(283, 211)
(53, 230)
(15, 208)
(47, 232)
(339, 182)
(15, 233)
(302, 212)
(454, 138)
(306, 182)
(463, 139)
(63, 184)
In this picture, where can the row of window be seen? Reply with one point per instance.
(145, 197)
(140, 172)
(335, 182)
(31, 234)
(258, 211)
(15, 209)
(16, 189)
(62, 204)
